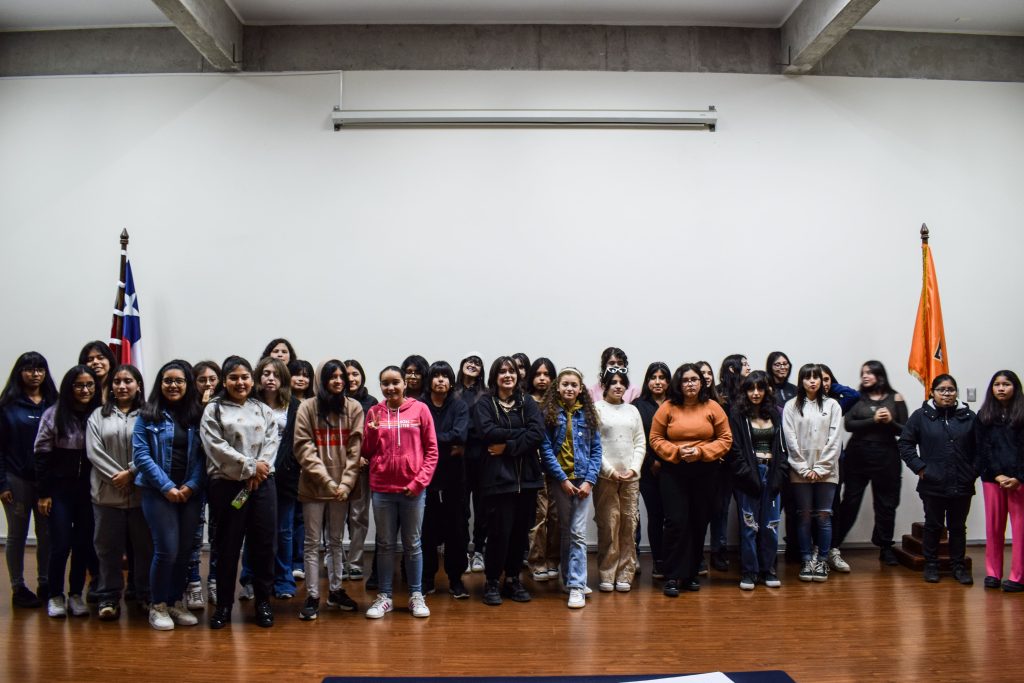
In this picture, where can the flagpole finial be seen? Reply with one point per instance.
(124, 238)
(924, 234)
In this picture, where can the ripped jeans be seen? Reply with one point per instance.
(814, 503)
(759, 528)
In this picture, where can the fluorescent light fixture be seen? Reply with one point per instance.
(514, 118)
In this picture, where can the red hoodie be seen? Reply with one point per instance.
(401, 447)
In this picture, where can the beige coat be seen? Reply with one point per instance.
(327, 451)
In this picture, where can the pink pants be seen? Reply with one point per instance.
(999, 502)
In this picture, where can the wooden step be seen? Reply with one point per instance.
(917, 531)
(915, 545)
(915, 561)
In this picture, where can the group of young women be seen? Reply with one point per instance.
(287, 459)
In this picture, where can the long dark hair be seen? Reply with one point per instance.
(496, 366)
(68, 414)
(326, 402)
(645, 391)
(881, 378)
(284, 394)
(808, 370)
(542, 362)
(275, 342)
(13, 390)
(675, 385)
(774, 356)
(104, 349)
(713, 392)
(992, 410)
(111, 403)
(731, 375)
(766, 410)
(551, 406)
(362, 391)
(305, 368)
(478, 385)
(187, 410)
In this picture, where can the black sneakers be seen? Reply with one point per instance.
(492, 595)
(963, 575)
(341, 600)
(23, 597)
(514, 590)
(931, 573)
(671, 588)
(310, 610)
(264, 614)
(458, 590)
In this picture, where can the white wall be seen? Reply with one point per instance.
(792, 227)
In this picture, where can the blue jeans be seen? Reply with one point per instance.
(759, 528)
(388, 509)
(197, 548)
(283, 580)
(173, 526)
(572, 522)
(814, 498)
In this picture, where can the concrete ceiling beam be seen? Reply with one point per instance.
(212, 28)
(815, 27)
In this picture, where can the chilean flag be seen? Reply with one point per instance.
(130, 341)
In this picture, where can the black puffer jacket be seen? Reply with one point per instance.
(940, 441)
(521, 429)
(1000, 450)
(743, 463)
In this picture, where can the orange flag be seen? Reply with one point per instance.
(929, 355)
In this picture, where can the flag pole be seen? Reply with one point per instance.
(117, 326)
(924, 234)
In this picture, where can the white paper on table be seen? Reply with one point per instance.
(713, 677)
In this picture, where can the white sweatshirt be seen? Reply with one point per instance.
(623, 445)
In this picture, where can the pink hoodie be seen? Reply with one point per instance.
(401, 447)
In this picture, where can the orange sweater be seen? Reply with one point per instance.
(703, 425)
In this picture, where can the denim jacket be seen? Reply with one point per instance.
(151, 456)
(586, 448)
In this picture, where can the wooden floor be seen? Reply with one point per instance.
(877, 623)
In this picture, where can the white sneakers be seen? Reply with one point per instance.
(576, 598)
(55, 607)
(608, 587)
(418, 606)
(381, 606)
(159, 618)
(384, 604)
(181, 616)
(77, 606)
(194, 595)
(837, 562)
(476, 563)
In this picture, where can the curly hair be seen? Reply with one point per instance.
(552, 403)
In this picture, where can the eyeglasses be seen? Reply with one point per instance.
(617, 370)
(413, 373)
(34, 371)
(692, 380)
(84, 386)
(780, 364)
(945, 390)
(173, 382)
